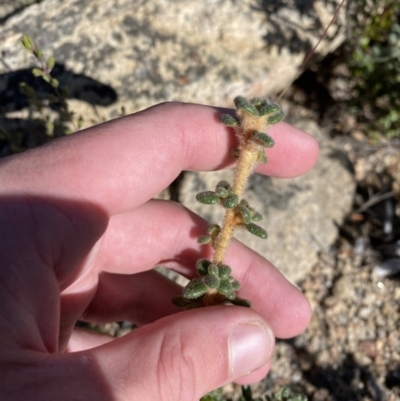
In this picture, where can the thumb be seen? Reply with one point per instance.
(186, 355)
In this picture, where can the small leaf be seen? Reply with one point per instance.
(195, 289)
(246, 214)
(225, 287)
(204, 239)
(213, 270)
(241, 302)
(38, 54)
(268, 108)
(202, 266)
(222, 192)
(211, 281)
(256, 216)
(37, 72)
(51, 63)
(180, 301)
(235, 285)
(208, 197)
(264, 139)
(231, 201)
(261, 158)
(214, 229)
(47, 78)
(224, 271)
(225, 185)
(54, 82)
(276, 118)
(259, 101)
(228, 120)
(256, 230)
(27, 43)
(49, 128)
(242, 103)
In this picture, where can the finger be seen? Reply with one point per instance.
(185, 355)
(141, 298)
(83, 339)
(255, 376)
(160, 230)
(122, 163)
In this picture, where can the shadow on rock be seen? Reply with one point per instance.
(18, 133)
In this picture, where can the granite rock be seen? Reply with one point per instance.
(155, 51)
(301, 215)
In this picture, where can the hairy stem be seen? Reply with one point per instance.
(247, 160)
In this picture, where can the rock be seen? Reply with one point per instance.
(301, 215)
(8, 8)
(154, 51)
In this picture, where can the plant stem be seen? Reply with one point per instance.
(247, 161)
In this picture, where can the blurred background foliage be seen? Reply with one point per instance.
(374, 64)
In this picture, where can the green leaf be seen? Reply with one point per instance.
(222, 192)
(49, 128)
(264, 139)
(259, 101)
(202, 266)
(235, 285)
(224, 271)
(228, 120)
(242, 103)
(204, 239)
(37, 72)
(38, 54)
(225, 287)
(27, 43)
(212, 269)
(211, 281)
(195, 289)
(51, 63)
(54, 82)
(231, 201)
(256, 216)
(225, 185)
(208, 197)
(241, 302)
(214, 229)
(261, 158)
(276, 118)
(256, 230)
(246, 214)
(268, 108)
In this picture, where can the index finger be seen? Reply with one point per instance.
(124, 162)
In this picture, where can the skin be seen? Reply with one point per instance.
(79, 235)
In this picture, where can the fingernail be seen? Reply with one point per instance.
(250, 346)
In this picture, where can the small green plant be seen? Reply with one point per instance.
(66, 121)
(215, 284)
(374, 65)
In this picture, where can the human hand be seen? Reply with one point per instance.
(79, 236)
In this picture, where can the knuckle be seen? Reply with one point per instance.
(177, 370)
